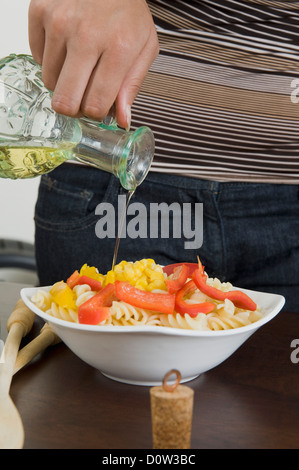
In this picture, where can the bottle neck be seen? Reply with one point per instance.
(98, 147)
(127, 155)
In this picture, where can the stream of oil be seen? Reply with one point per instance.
(120, 226)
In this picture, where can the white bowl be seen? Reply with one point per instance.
(142, 355)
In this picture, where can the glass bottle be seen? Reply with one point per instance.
(34, 139)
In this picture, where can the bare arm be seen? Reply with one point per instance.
(93, 52)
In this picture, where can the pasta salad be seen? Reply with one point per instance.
(145, 293)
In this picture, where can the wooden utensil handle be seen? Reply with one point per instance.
(10, 351)
(23, 315)
(46, 338)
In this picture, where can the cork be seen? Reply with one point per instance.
(171, 410)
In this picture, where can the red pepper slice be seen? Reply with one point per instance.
(169, 269)
(180, 275)
(199, 277)
(96, 309)
(193, 310)
(76, 279)
(73, 279)
(93, 283)
(163, 303)
(239, 299)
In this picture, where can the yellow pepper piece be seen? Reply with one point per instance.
(91, 272)
(57, 287)
(110, 277)
(63, 295)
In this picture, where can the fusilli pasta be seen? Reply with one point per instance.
(123, 313)
(185, 321)
(42, 299)
(83, 293)
(63, 313)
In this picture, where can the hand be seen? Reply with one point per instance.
(94, 53)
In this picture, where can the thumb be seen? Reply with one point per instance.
(132, 83)
(124, 101)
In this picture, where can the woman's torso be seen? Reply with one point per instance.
(221, 96)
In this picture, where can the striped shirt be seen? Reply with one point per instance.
(222, 97)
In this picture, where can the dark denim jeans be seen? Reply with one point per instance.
(250, 232)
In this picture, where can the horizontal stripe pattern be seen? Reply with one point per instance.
(218, 96)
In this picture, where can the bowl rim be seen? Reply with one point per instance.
(27, 292)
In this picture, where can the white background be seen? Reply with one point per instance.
(17, 198)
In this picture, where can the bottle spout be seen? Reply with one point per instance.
(136, 158)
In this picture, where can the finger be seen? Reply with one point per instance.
(72, 82)
(36, 35)
(104, 84)
(133, 82)
(52, 62)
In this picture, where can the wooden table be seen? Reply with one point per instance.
(251, 401)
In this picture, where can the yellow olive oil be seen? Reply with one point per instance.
(28, 162)
(120, 227)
